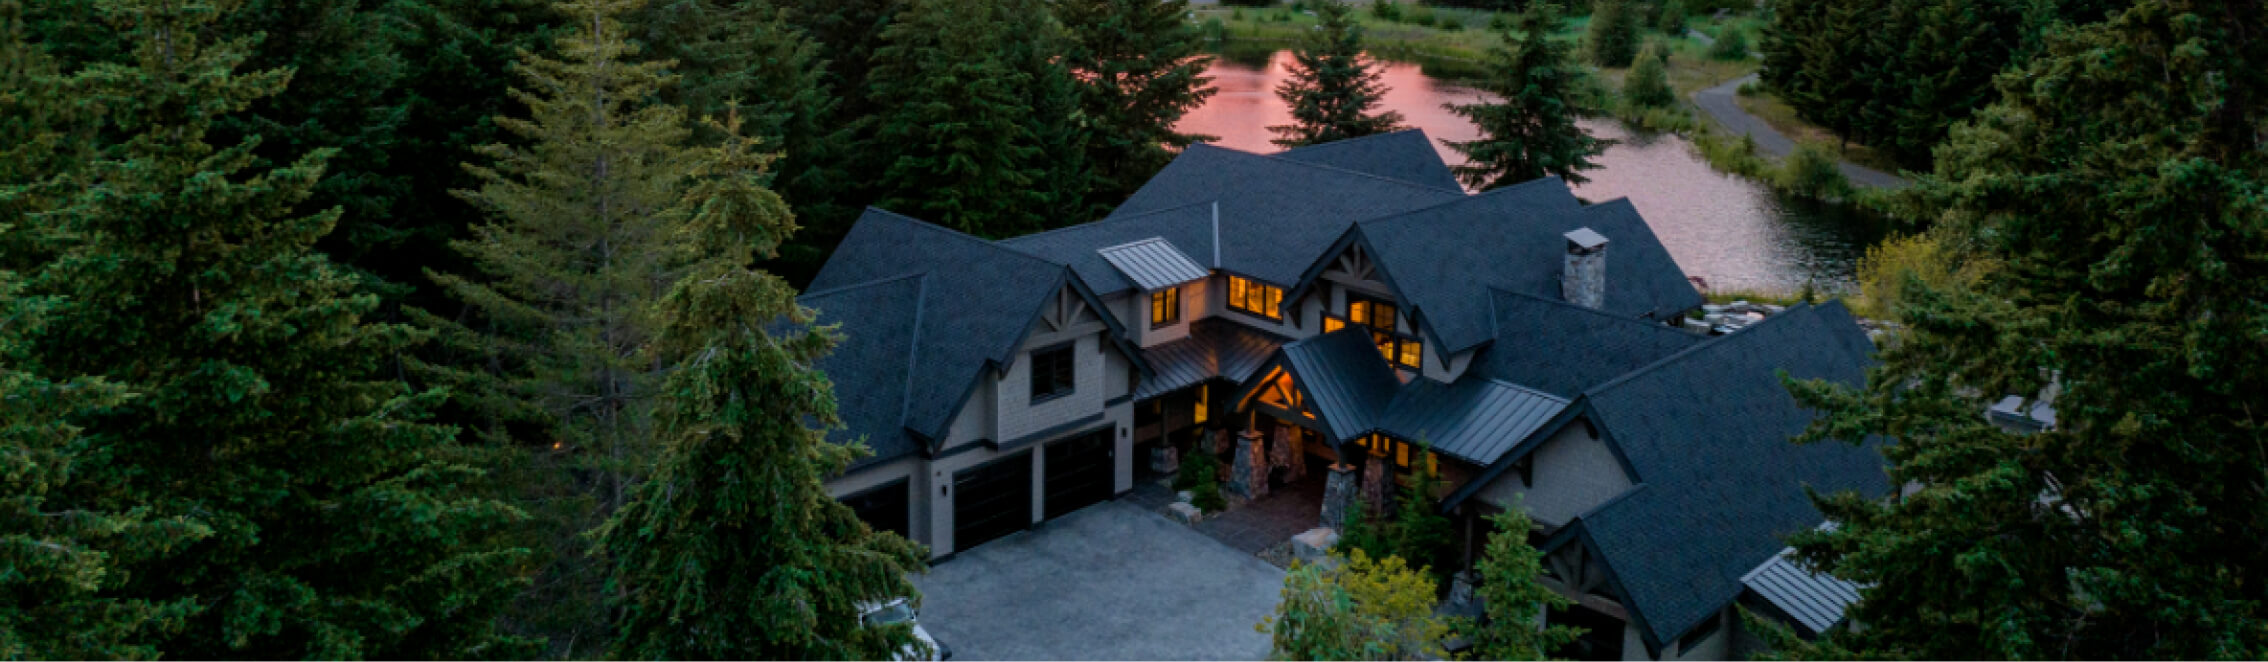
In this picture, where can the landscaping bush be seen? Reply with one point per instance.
(1732, 45)
(1204, 479)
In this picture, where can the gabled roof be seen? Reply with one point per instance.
(1519, 233)
(1405, 155)
(1153, 264)
(1815, 600)
(976, 304)
(1475, 419)
(1347, 382)
(1276, 214)
(871, 364)
(1562, 348)
(1707, 432)
(1189, 228)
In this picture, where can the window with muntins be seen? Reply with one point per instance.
(1253, 297)
(1052, 372)
(1402, 349)
(1165, 307)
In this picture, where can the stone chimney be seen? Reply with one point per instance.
(1584, 281)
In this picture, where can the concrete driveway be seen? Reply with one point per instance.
(1111, 582)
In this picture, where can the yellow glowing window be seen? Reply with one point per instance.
(1358, 312)
(1254, 297)
(1402, 454)
(1410, 352)
(1204, 391)
(1165, 307)
(1332, 324)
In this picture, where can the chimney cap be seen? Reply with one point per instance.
(1585, 240)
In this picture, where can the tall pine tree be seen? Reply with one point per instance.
(334, 520)
(979, 129)
(583, 235)
(1334, 87)
(1510, 597)
(2118, 185)
(1530, 131)
(1140, 68)
(734, 548)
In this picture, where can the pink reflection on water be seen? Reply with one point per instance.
(1247, 105)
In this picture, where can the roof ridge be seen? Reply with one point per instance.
(1570, 306)
(1278, 158)
(1343, 141)
(913, 350)
(1522, 186)
(1105, 219)
(861, 284)
(1529, 390)
(963, 236)
(1695, 349)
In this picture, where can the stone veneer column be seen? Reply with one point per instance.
(1338, 495)
(1249, 477)
(1375, 480)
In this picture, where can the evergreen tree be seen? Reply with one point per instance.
(583, 234)
(2117, 186)
(1334, 87)
(1512, 599)
(329, 519)
(734, 548)
(1672, 19)
(1140, 67)
(748, 50)
(1530, 131)
(1612, 38)
(1421, 535)
(1647, 84)
(979, 131)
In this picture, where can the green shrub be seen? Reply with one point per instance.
(1387, 10)
(1732, 44)
(1236, 14)
(1422, 16)
(1750, 88)
(1612, 39)
(1213, 30)
(1450, 24)
(1671, 20)
(1499, 21)
(1811, 172)
(1204, 482)
(1647, 85)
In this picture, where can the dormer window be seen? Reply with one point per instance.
(1255, 298)
(1165, 307)
(1379, 315)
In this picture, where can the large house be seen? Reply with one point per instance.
(1346, 307)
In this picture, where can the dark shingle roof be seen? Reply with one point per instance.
(977, 302)
(1707, 432)
(1563, 348)
(1519, 234)
(1346, 381)
(1405, 155)
(1475, 419)
(871, 364)
(1276, 214)
(1188, 227)
(1213, 349)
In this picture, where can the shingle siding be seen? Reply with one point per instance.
(1019, 416)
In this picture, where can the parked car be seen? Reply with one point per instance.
(901, 610)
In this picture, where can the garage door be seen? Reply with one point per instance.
(1079, 472)
(992, 500)
(883, 508)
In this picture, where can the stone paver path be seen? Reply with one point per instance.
(1258, 525)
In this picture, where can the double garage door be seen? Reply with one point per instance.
(994, 499)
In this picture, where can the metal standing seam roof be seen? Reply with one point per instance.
(1345, 379)
(1153, 264)
(1475, 419)
(1213, 349)
(1817, 600)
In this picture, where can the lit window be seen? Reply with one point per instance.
(1411, 350)
(1204, 393)
(1165, 307)
(1255, 298)
(1332, 324)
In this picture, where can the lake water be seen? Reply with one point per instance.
(1732, 232)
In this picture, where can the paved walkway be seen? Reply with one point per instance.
(1111, 582)
(1258, 525)
(1721, 105)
